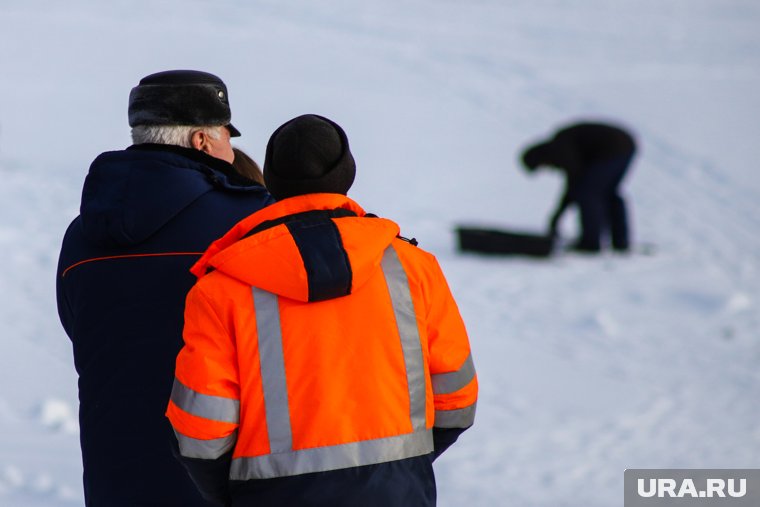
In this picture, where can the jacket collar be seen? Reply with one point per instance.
(216, 164)
(289, 206)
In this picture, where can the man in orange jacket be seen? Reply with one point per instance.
(325, 360)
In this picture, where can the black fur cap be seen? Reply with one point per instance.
(180, 97)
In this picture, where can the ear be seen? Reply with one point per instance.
(199, 141)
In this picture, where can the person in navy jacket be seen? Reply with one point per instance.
(147, 214)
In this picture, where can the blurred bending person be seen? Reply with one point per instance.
(594, 158)
(147, 214)
(247, 167)
(325, 360)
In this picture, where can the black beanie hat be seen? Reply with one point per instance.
(180, 97)
(307, 155)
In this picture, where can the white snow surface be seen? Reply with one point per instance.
(587, 365)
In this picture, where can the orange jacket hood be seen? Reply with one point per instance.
(278, 259)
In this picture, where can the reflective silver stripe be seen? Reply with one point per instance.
(215, 408)
(411, 345)
(273, 371)
(460, 418)
(445, 383)
(320, 459)
(205, 449)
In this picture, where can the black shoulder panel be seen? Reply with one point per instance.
(325, 259)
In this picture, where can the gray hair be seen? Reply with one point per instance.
(178, 135)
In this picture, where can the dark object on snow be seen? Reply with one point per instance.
(594, 158)
(495, 241)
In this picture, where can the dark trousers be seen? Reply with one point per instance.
(602, 208)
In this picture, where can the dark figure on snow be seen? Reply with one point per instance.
(147, 214)
(594, 158)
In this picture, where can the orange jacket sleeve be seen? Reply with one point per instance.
(455, 384)
(205, 401)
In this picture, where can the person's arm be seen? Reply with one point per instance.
(204, 406)
(455, 383)
(566, 157)
(209, 475)
(562, 205)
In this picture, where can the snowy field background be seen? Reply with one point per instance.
(588, 365)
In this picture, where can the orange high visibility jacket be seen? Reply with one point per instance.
(317, 340)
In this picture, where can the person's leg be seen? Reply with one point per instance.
(617, 212)
(590, 195)
(591, 217)
(602, 209)
(618, 223)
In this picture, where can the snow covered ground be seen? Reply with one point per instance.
(588, 365)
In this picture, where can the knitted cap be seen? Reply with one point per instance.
(180, 97)
(306, 155)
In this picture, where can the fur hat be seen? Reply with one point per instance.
(306, 155)
(180, 97)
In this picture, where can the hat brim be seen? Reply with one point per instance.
(233, 131)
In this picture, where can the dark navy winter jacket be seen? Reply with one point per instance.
(147, 215)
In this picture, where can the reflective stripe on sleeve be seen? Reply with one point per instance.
(205, 449)
(273, 371)
(445, 383)
(215, 408)
(403, 308)
(354, 454)
(459, 418)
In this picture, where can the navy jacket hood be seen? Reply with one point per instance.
(129, 195)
